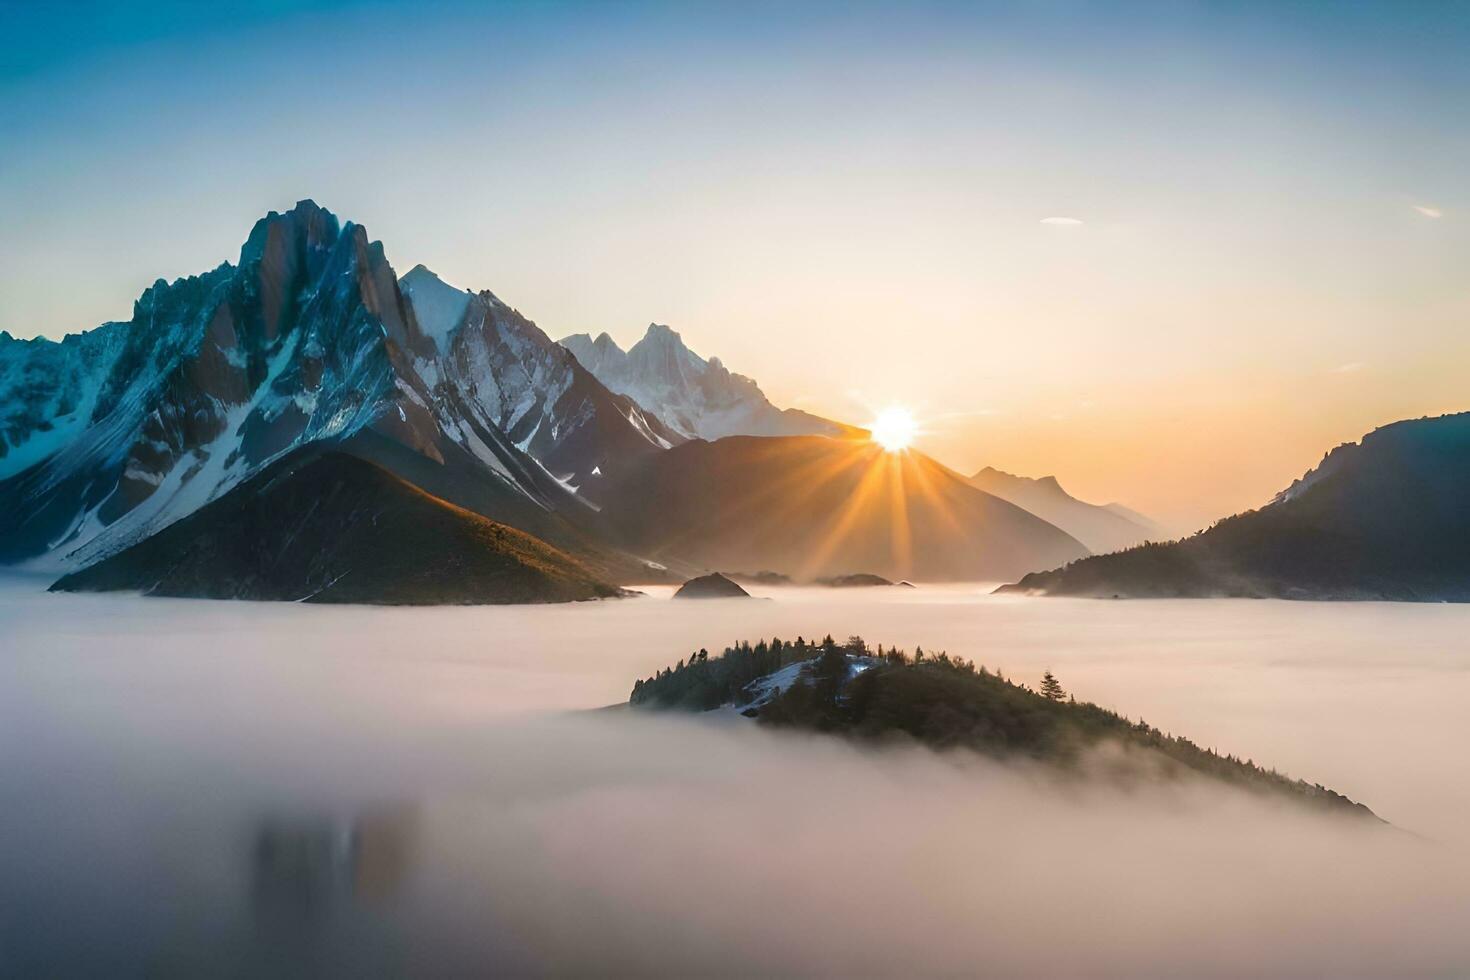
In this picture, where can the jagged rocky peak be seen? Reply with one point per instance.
(603, 357)
(499, 366)
(662, 357)
(216, 374)
(439, 307)
(307, 226)
(309, 339)
(48, 391)
(699, 398)
(662, 335)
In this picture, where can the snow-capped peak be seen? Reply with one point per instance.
(699, 398)
(438, 306)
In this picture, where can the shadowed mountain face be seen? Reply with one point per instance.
(1386, 518)
(811, 506)
(329, 527)
(698, 398)
(1101, 529)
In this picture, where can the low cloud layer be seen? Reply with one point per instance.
(696, 851)
(618, 843)
(187, 785)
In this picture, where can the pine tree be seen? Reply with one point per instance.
(1051, 689)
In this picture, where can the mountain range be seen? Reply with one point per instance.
(1384, 518)
(307, 339)
(1101, 528)
(532, 388)
(700, 399)
(308, 393)
(309, 353)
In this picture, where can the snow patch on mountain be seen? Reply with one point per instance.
(502, 365)
(438, 306)
(113, 435)
(699, 398)
(48, 391)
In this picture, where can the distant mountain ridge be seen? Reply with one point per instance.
(813, 507)
(1384, 518)
(1101, 528)
(698, 398)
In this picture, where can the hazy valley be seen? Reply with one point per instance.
(457, 732)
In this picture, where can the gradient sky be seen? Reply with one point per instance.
(846, 202)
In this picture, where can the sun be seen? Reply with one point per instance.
(894, 429)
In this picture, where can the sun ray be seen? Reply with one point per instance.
(900, 537)
(797, 483)
(861, 496)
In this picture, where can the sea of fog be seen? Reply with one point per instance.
(203, 788)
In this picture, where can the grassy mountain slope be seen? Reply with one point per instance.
(329, 527)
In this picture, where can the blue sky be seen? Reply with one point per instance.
(845, 201)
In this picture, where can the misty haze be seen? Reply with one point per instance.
(420, 791)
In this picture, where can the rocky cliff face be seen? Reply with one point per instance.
(533, 389)
(307, 339)
(48, 391)
(698, 398)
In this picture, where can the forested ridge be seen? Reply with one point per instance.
(876, 694)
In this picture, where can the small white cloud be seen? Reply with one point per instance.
(1348, 368)
(1428, 212)
(1061, 221)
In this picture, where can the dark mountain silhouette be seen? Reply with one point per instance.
(711, 586)
(1101, 529)
(857, 580)
(764, 577)
(329, 527)
(1387, 518)
(811, 506)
